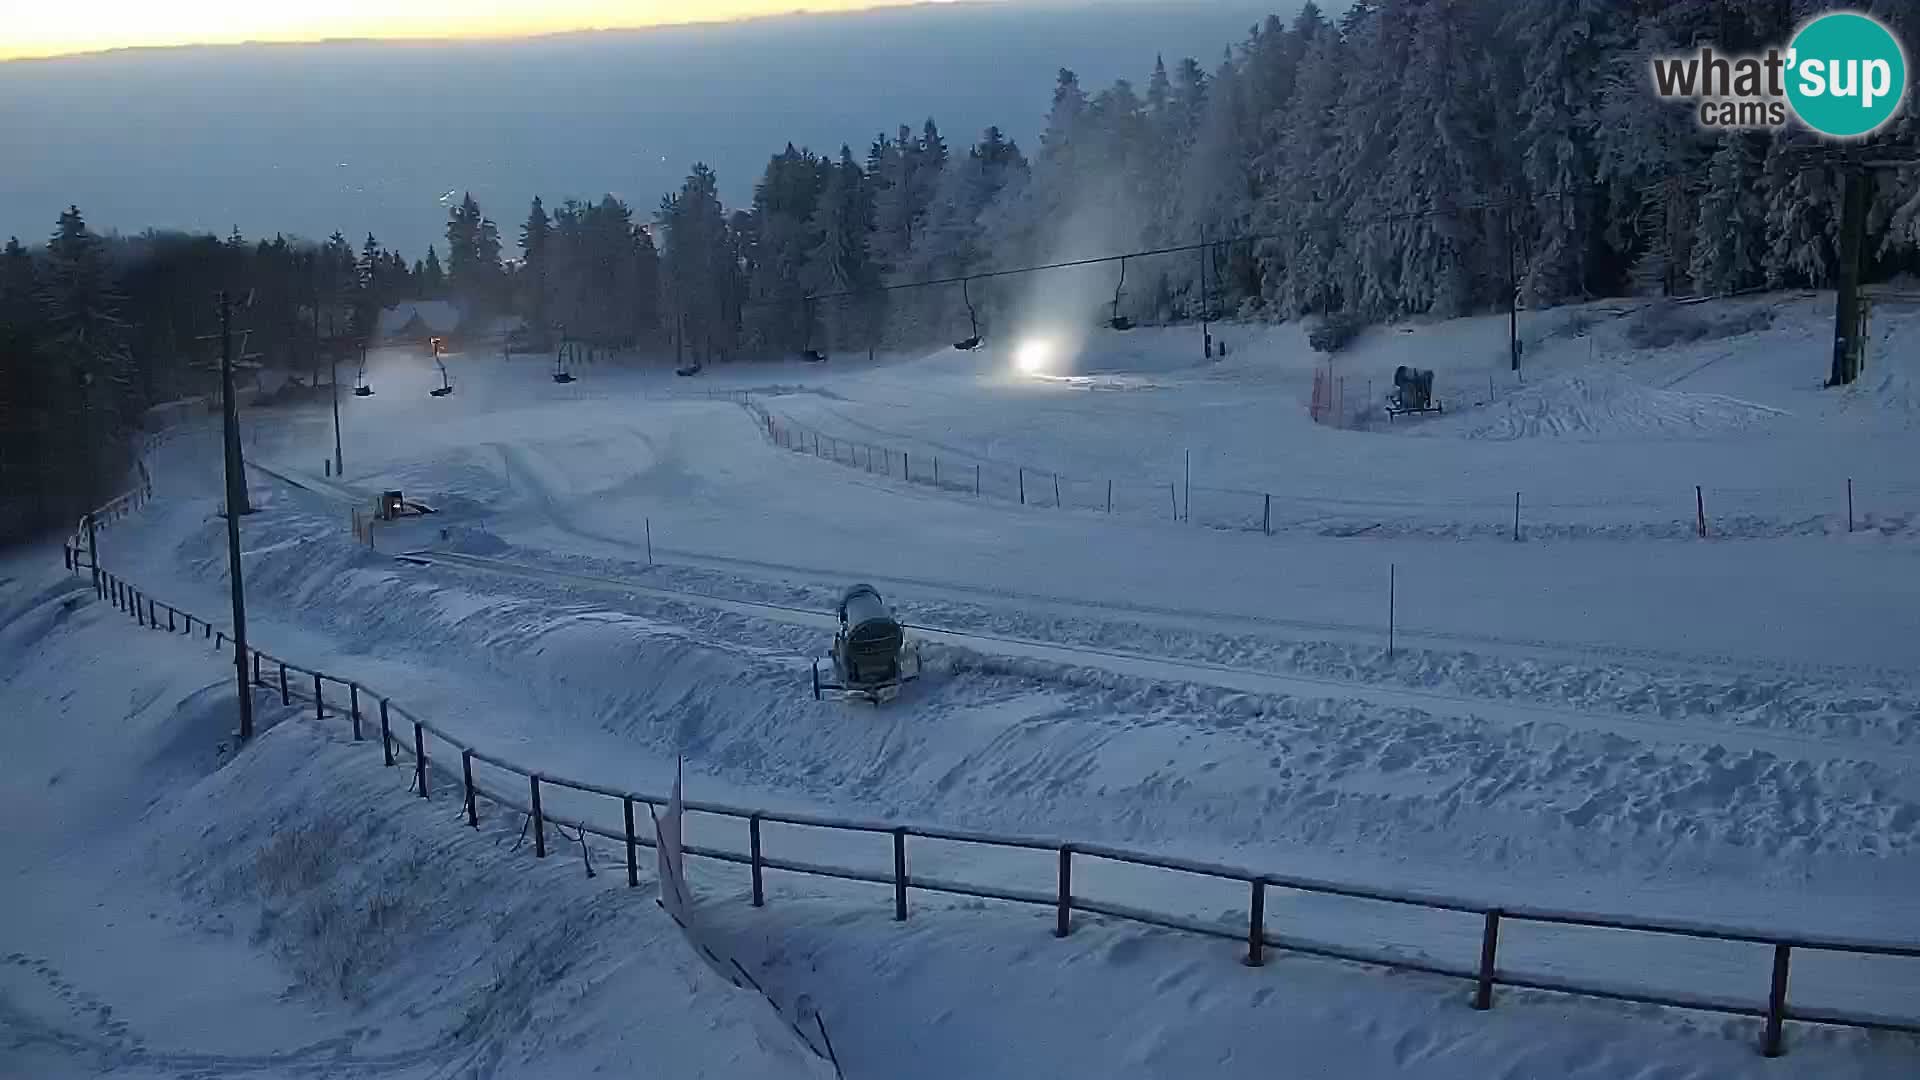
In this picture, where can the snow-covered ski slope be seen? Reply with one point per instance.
(169, 907)
(1611, 715)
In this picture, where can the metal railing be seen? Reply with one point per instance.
(432, 751)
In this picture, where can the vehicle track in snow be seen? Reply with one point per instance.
(1224, 676)
(1188, 669)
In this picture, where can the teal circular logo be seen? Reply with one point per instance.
(1846, 74)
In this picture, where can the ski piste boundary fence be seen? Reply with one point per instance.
(432, 749)
(1687, 511)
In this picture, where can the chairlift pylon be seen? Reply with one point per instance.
(446, 383)
(360, 387)
(809, 312)
(973, 321)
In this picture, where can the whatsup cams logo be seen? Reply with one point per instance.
(1843, 75)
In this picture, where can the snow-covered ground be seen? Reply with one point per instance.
(1612, 715)
(174, 908)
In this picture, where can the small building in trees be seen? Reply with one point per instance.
(418, 320)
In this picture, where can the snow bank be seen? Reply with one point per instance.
(1116, 1000)
(1602, 404)
(176, 907)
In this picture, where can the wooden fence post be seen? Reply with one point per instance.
(1700, 511)
(285, 698)
(1109, 495)
(1063, 906)
(1266, 514)
(649, 541)
(1023, 485)
(1489, 954)
(900, 874)
(1257, 923)
(466, 780)
(386, 734)
(256, 669)
(1849, 504)
(353, 698)
(1777, 1003)
(753, 849)
(1056, 491)
(539, 819)
(936, 470)
(633, 845)
(1516, 517)
(1392, 579)
(319, 702)
(420, 757)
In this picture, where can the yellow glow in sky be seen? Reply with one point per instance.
(45, 28)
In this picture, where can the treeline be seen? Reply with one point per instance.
(1404, 158)
(94, 330)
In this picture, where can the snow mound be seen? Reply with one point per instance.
(1603, 404)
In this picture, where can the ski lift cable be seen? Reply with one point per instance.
(1398, 217)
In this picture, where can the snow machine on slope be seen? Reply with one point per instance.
(1412, 393)
(871, 655)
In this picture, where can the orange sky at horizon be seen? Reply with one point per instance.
(80, 26)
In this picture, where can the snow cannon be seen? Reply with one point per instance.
(1412, 393)
(872, 657)
(392, 506)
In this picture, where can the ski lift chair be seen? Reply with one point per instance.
(968, 344)
(1119, 321)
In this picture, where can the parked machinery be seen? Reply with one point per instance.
(872, 657)
(1412, 393)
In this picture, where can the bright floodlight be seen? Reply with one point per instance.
(1034, 356)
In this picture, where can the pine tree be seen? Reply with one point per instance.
(1567, 44)
(80, 305)
(85, 337)
(474, 275)
(535, 248)
(433, 280)
(19, 301)
(699, 268)
(839, 262)
(371, 282)
(895, 201)
(1732, 220)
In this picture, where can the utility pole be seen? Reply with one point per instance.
(334, 367)
(1846, 318)
(236, 506)
(1206, 330)
(1856, 194)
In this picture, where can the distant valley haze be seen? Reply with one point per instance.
(373, 136)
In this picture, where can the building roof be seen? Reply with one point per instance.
(436, 316)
